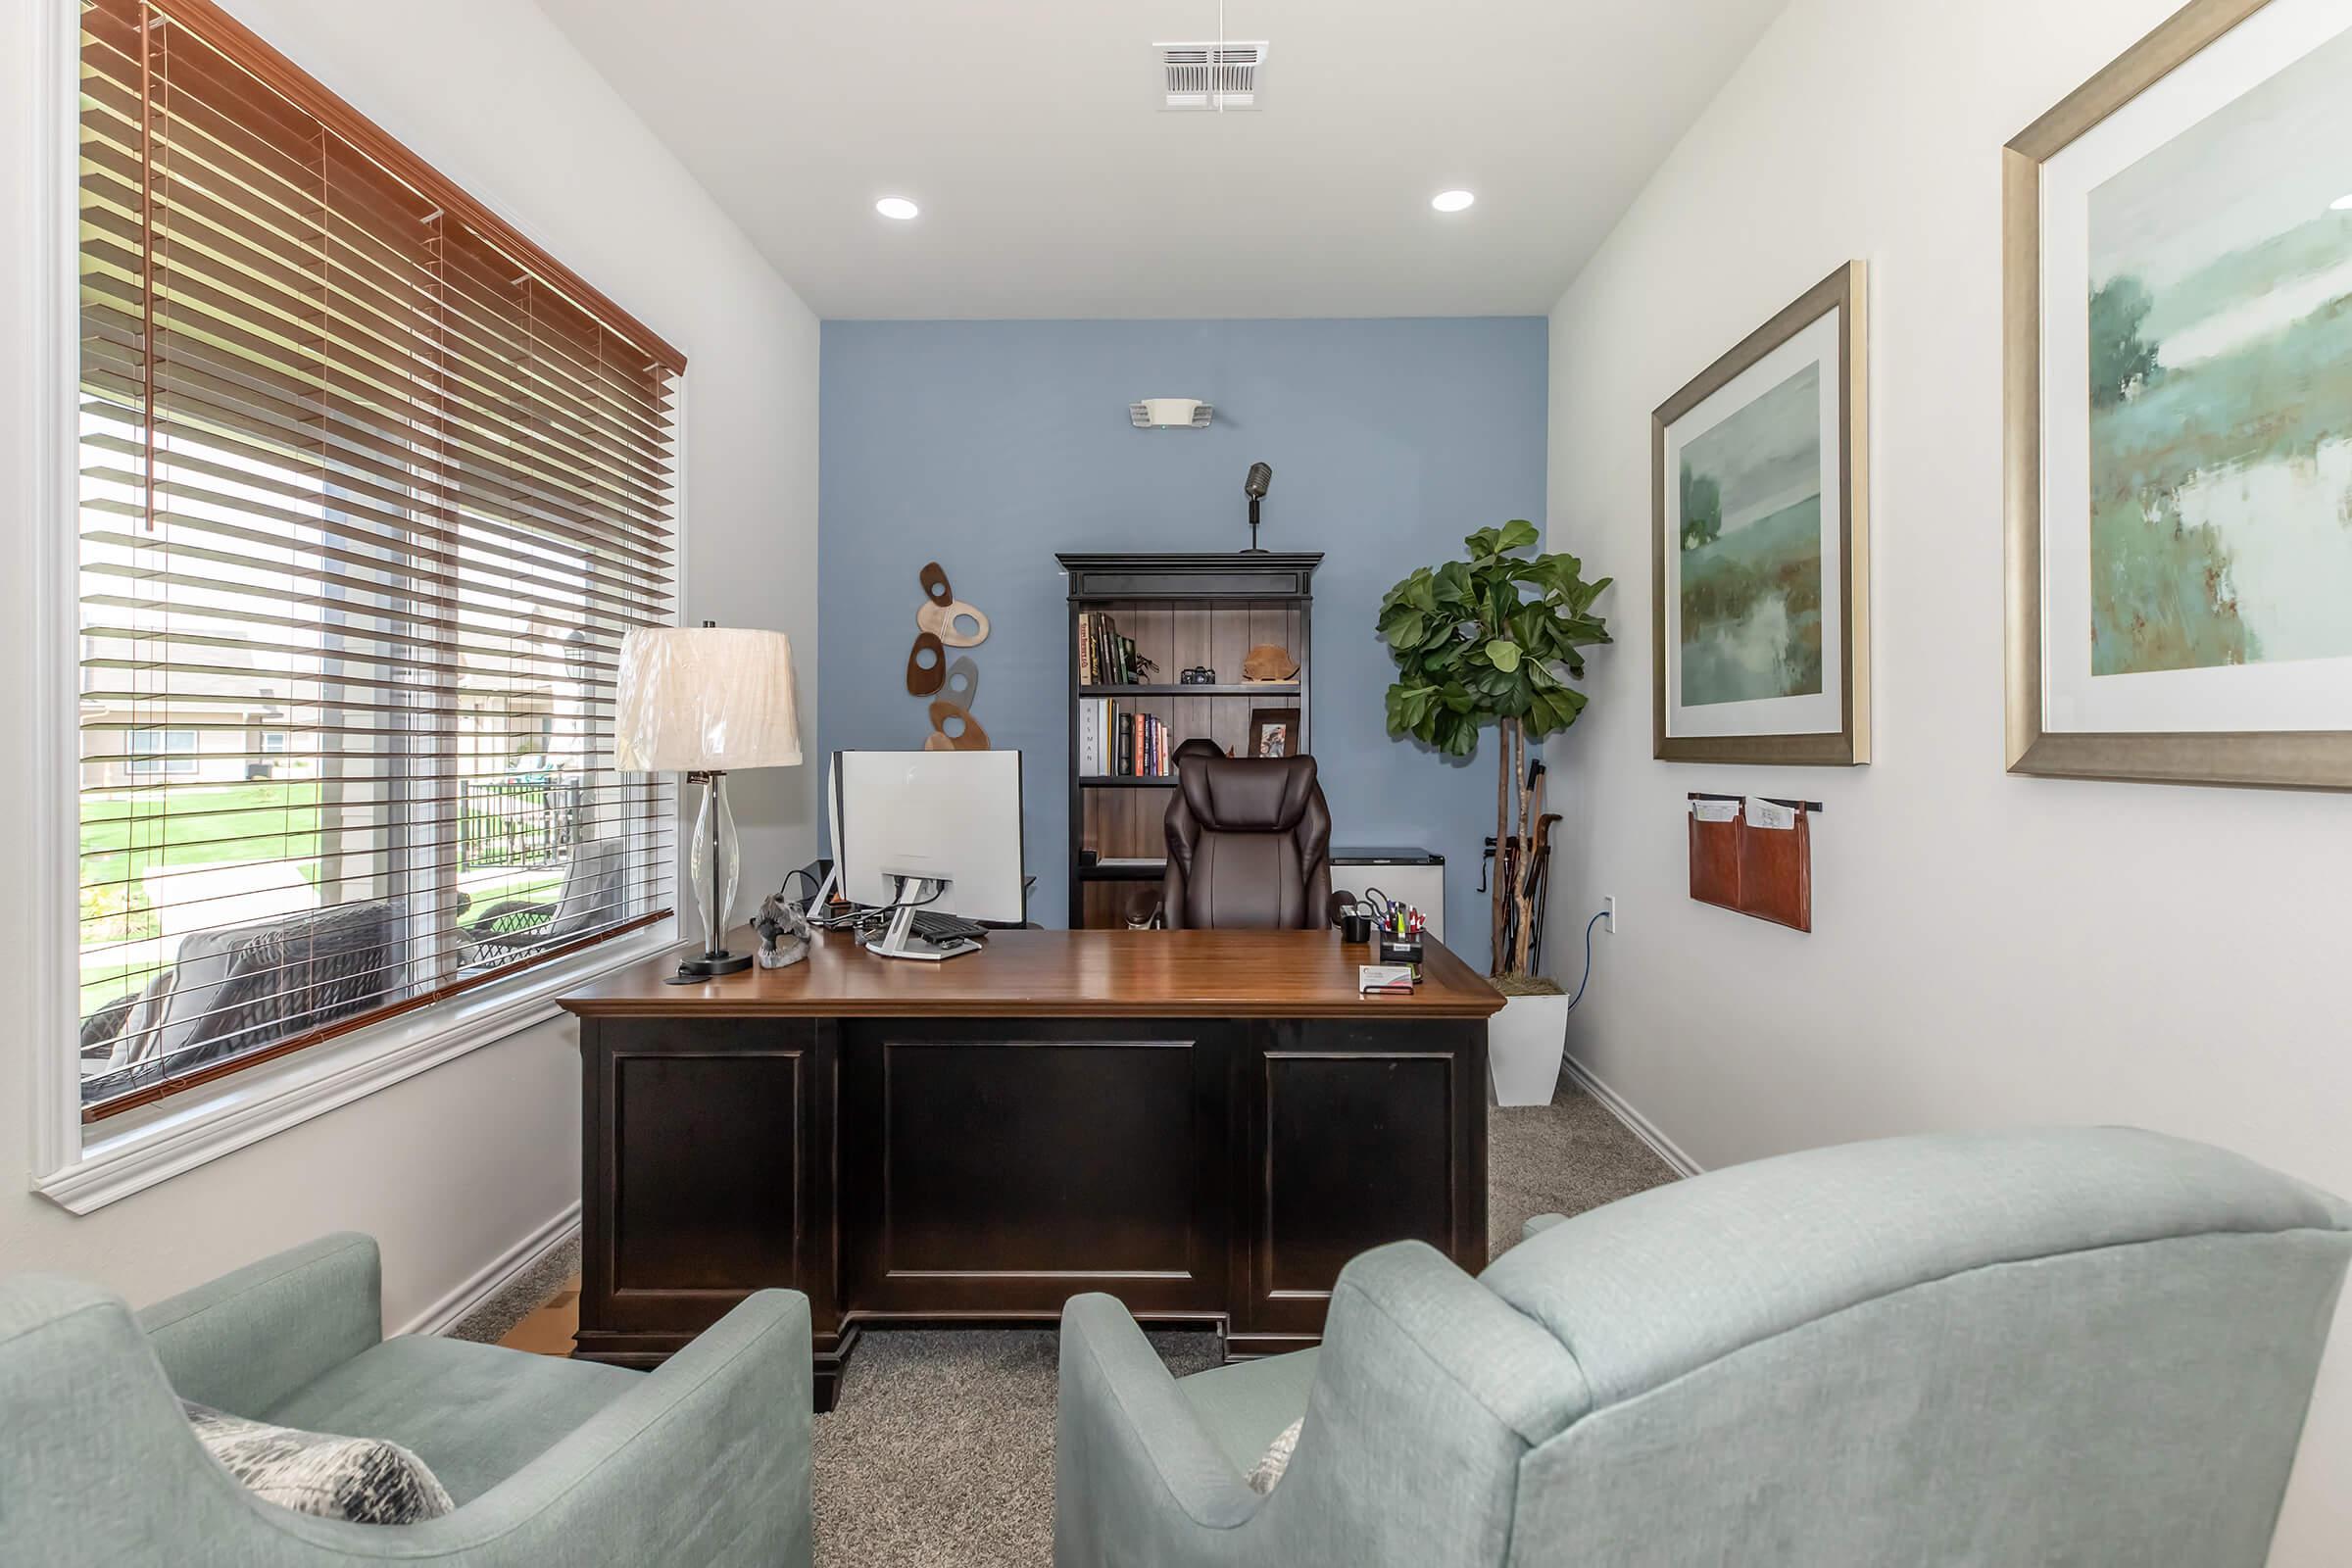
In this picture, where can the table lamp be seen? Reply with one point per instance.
(706, 699)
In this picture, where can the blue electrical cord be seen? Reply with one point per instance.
(1588, 979)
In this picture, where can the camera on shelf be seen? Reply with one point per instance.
(1198, 675)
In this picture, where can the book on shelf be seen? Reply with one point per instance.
(1116, 743)
(1105, 657)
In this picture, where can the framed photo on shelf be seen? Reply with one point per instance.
(1760, 544)
(2178, 402)
(1272, 731)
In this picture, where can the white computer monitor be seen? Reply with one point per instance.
(938, 816)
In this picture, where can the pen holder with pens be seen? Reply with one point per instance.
(1394, 949)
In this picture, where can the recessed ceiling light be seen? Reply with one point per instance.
(1451, 201)
(2342, 204)
(898, 207)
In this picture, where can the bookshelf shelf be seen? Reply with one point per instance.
(1250, 689)
(1151, 872)
(1178, 612)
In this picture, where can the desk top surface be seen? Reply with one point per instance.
(1065, 974)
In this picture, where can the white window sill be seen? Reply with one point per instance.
(191, 1129)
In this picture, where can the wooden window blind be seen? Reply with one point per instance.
(371, 490)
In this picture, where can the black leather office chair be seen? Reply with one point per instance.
(1248, 844)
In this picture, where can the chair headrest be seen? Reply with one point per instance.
(1248, 793)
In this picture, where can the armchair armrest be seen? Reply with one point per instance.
(708, 1461)
(1538, 1225)
(1129, 1448)
(252, 1337)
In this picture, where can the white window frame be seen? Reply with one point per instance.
(159, 761)
(84, 1168)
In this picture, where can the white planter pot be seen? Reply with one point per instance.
(1524, 1044)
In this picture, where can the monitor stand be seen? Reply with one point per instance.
(900, 940)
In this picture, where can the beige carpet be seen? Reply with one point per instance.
(940, 1454)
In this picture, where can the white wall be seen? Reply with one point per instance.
(453, 1167)
(1987, 949)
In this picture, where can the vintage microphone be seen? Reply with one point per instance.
(1261, 478)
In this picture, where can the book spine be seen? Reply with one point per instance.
(1086, 650)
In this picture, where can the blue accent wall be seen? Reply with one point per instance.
(988, 446)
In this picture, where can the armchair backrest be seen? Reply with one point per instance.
(595, 890)
(2060, 1345)
(2088, 1345)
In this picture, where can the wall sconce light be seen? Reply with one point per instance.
(1170, 414)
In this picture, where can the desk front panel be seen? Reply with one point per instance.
(706, 1155)
(987, 1169)
(1356, 1135)
(1001, 1167)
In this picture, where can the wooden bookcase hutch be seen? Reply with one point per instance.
(1182, 611)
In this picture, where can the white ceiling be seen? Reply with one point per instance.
(1052, 185)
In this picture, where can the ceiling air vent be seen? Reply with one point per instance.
(1210, 75)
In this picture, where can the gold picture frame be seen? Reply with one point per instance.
(1844, 293)
(2273, 758)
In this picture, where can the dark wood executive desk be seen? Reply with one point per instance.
(1206, 1124)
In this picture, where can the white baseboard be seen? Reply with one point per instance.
(1638, 1125)
(494, 1276)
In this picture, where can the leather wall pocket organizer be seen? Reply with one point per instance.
(924, 678)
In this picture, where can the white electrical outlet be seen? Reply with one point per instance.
(1608, 914)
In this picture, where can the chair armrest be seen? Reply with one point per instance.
(1538, 1225)
(709, 1460)
(251, 1338)
(485, 924)
(1132, 1460)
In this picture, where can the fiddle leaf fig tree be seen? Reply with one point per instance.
(1496, 639)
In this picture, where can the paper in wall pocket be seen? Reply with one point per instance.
(1766, 813)
(1715, 853)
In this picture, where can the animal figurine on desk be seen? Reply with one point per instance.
(783, 932)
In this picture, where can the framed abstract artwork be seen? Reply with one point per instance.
(1760, 544)
(2179, 408)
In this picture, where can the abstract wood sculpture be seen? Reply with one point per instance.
(953, 686)
(963, 686)
(972, 739)
(940, 620)
(923, 679)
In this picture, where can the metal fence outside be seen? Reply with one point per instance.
(517, 822)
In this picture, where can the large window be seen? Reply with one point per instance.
(371, 489)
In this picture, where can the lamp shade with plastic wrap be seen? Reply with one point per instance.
(705, 699)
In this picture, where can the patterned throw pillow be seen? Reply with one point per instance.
(1276, 1459)
(364, 1480)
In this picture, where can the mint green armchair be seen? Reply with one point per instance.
(2085, 1345)
(705, 1461)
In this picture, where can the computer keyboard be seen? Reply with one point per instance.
(933, 926)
